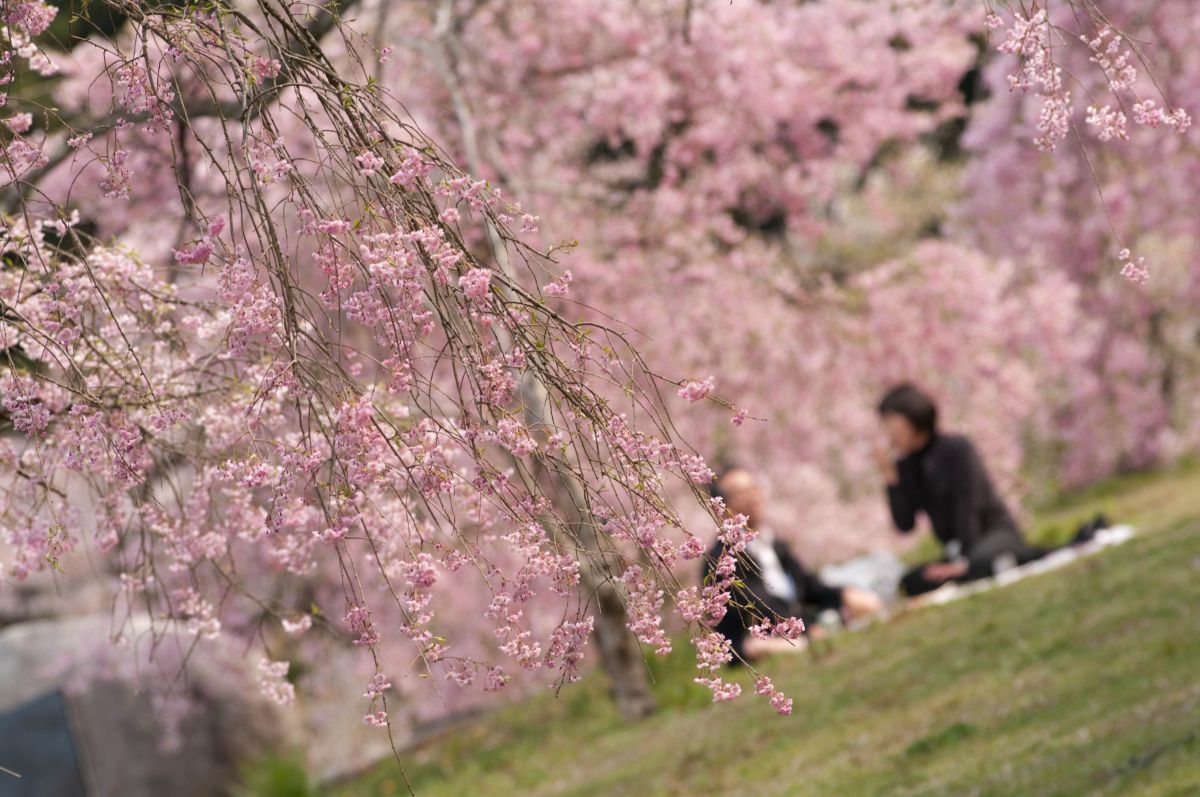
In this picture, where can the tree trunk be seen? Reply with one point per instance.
(620, 653)
(621, 656)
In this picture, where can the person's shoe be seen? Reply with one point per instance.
(1087, 531)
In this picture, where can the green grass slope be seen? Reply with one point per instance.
(1085, 680)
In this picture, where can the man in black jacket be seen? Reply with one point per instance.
(943, 476)
(770, 582)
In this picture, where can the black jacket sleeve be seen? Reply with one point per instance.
(900, 500)
(734, 628)
(812, 590)
(733, 625)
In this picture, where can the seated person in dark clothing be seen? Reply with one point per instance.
(942, 476)
(771, 584)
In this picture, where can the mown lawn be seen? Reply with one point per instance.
(1081, 681)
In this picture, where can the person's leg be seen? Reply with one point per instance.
(981, 562)
(914, 582)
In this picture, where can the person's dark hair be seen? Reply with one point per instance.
(909, 401)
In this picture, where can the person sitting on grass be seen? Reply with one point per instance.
(770, 583)
(943, 476)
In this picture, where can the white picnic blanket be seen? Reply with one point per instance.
(1105, 538)
(881, 572)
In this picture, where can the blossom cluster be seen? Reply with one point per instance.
(328, 390)
(305, 409)
(1034, 40)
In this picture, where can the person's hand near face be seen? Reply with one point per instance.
(887, 465)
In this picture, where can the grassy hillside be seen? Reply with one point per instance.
(1081, 681)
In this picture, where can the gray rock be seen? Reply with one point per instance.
(115, 726)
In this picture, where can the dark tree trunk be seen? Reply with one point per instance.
(621, 656)
(620, 652)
